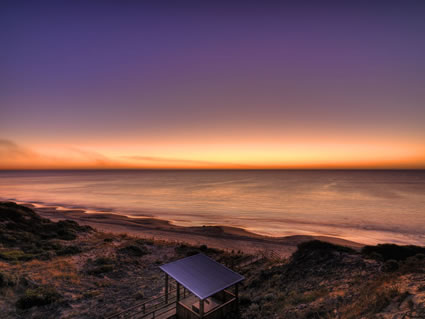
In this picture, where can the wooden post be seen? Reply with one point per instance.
(166, 288)
(178, 292)
(201, 308)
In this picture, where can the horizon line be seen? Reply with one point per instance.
(217, 169)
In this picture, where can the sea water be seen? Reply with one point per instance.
(365, 206)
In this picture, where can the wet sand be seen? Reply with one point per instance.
(223, 237)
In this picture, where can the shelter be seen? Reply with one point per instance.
(208, 281)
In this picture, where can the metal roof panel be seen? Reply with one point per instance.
(201, 275)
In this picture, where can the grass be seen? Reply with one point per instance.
(373, 297)
(15, 255)
(48, 273)
(297, 298)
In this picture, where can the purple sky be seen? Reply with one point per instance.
(101, 75)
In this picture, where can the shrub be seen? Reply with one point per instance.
(7, 280)
(3, 280)
(390, 265)
(38, 297)
(253, 311)
(101, 269)
(21, 227)
(413, 265)
(245, 301)
(69, 250)
(420, 256)
(103, 261)
(392, 251)
(317, 245)
(191, 252)
(101, 265)
(149, 242)
(186, 250)
(47, 255)
(143, 241)
(66, 235)
(134, 250)
(181, 249)
(317, 251)
(139, 296)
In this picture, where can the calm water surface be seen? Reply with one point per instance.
(366, 206)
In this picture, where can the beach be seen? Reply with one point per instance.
(368, 207)
(221, 237)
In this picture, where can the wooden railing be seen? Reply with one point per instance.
(148, 308)
(215, 313)
(156, 312)
(272, 255)
(221, 310)
(186, 311)
(269, 254)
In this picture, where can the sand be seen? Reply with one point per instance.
(222, 237)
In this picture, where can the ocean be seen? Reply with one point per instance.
(370, 206)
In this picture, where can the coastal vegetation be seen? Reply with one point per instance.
(64, 270)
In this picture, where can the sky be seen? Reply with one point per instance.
(236, 84)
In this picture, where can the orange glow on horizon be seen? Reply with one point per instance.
(302, 155)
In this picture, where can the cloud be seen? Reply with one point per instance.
(93, 157)
(178, 162)
(15, 156)
(167, 160)
(9, 150)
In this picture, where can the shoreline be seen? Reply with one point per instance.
(221, 237)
